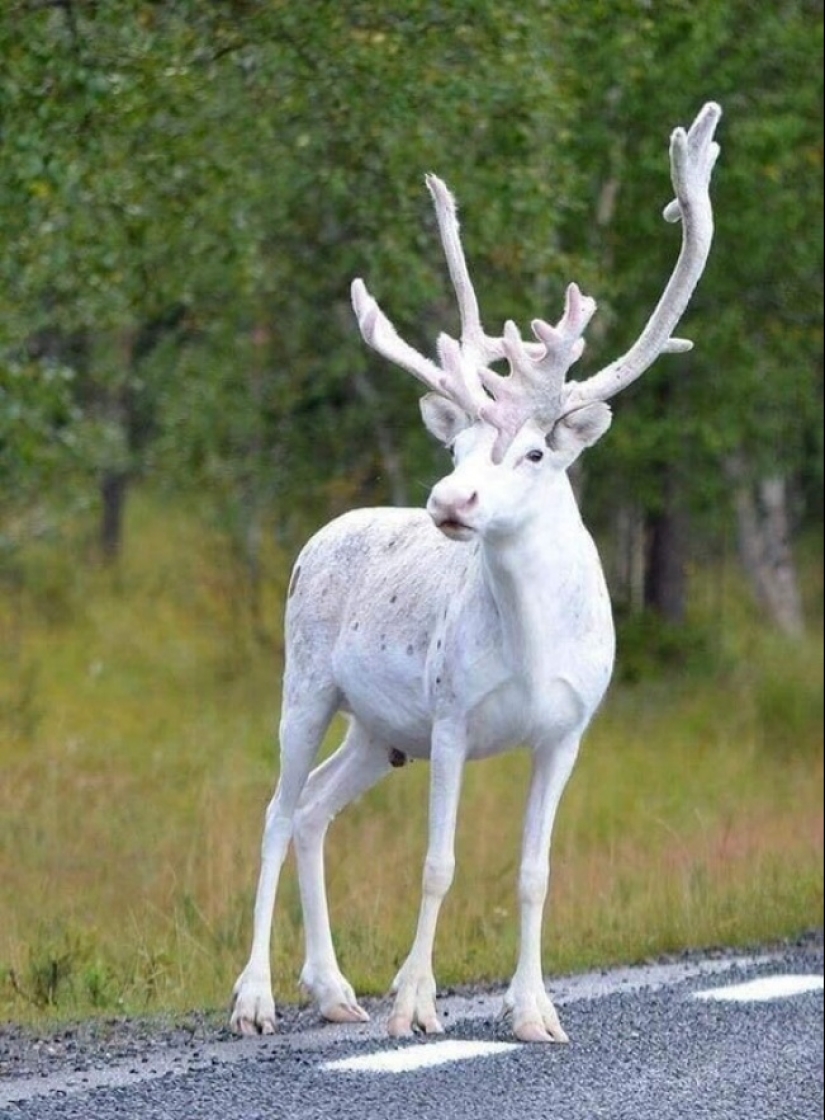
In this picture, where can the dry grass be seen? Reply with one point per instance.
(137, 758)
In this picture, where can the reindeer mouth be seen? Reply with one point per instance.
(455, 530)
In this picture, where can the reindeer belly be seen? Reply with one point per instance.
(383, 689)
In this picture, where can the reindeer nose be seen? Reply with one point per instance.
(447, 504)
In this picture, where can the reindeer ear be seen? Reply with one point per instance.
(442, 418)
(579, 429)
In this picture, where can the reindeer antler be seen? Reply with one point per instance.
(692, 158)
(535, 388)
(537, 369)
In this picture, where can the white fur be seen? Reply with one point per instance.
(457, 644)
(447, 650)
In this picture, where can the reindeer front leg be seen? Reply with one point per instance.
(415, 983)
(534, 1017)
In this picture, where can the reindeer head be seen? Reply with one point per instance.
(509, 432)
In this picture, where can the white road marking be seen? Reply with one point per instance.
(763, 988)
(418, 1057)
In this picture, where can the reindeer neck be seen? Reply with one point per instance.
(539, 577)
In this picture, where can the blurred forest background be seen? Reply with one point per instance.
(187, 189)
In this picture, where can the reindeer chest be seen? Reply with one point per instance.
(522, 676)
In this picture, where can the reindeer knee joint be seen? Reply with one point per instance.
(438, 876)
(277, 834)
(308, 829)
(533, 882)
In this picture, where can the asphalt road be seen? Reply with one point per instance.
(645, 1045)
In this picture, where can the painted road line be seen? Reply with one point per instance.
(418, 1057)
(763, 988)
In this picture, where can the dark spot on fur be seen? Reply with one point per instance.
(355, 625)
(393, 598)
(397, 757)
(294, 583)
(438, 644)
(410, 650)
(438, 680)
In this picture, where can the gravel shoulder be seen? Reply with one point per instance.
(186, 1040)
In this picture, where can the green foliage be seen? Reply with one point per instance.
(187, 191)
(19, 709)
(60, 966)
(754, 380)
(230, 171)
(649, 648)
(41, 449)
(788, 703)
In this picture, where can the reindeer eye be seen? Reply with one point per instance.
(535, 456)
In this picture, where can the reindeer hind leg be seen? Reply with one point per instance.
(357, 765)
(301, 732)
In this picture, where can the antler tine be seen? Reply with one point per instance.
(534, 386)
(379, 333)
(455, 379)
(475, 344)
(692, 158)
(461, 381)
(564, 343)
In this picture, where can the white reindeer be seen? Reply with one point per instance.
(459, 632)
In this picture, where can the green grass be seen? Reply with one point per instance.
(137, 717)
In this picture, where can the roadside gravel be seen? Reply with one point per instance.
(74, 1048)
(77, 1047)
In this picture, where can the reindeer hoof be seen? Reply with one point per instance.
(253, 1010)
(345, 1013)
(400, 1026)
(533, 1031)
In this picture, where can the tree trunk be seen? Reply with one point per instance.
(112, 401)
(113, 487)
(628, 563)
(132, 412)
(763, 528)
(665, 582)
